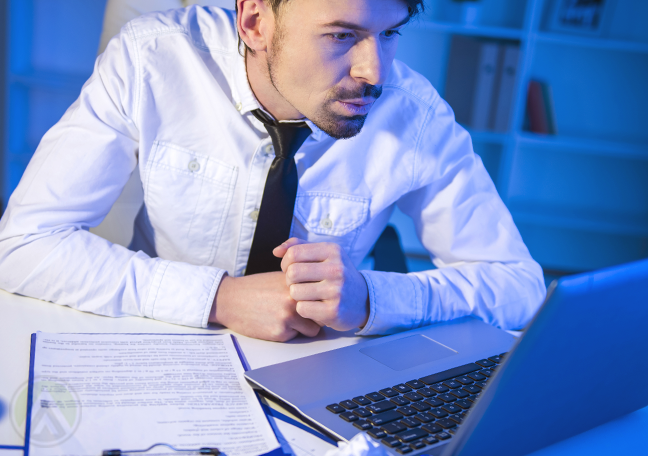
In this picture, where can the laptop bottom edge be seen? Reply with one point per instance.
(295, 411)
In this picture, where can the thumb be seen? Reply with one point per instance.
(281, 250)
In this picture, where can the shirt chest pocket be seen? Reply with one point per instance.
(188, 196)
(330, 217)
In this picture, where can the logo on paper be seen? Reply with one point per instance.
(3, 409)
(55, 414)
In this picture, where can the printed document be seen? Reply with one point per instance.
(94, 392)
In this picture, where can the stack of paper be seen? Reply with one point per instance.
(92, 392)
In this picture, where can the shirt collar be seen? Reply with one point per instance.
(316, 134)
(244, 98)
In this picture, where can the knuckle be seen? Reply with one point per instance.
(291, 273)
(285, 316)
(282, 336)
(334, 248)
(337, 270)
(334, 288)
(276, 332)
(290, 255)
(333, 304)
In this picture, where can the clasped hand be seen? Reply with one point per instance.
(318, 286)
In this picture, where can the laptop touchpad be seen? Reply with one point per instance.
(408, 352)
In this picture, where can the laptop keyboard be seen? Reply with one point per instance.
(419, 413)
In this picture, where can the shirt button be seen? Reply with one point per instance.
(194, 166)
(326, 223)
(254, 215)
(268, 149)
(238, 106)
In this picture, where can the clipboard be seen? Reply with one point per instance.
(30, 394)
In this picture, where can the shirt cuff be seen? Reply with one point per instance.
(182, 293)
(395, 303)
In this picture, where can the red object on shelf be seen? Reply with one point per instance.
(537, 109)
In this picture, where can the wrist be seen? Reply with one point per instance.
(367, 303)
(220, 300)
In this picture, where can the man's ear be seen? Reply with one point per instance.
(255, 22)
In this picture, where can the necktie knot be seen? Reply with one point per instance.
(287, 138)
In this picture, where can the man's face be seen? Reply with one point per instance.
(329, 58)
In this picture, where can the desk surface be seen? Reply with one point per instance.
(20, 317)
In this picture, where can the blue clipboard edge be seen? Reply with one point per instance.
(277, 414)
(30, 393)
(30, 387)
(269, 411)
(30, 400)
(237, 346)
(246, 367)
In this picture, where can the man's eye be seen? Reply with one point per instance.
(341, 36)
(391, 33)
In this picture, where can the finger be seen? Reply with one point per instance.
(284, 335)
(315, 291)
(305, 326)
(280, 250)
(313, 272)
(310, 253)
(315, 311)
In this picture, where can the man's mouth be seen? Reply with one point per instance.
(357, 106)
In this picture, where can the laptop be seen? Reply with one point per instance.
(465, 388)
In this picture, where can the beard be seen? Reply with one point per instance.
(339, 126)
(335, 125)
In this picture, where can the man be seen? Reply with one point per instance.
(175, 95)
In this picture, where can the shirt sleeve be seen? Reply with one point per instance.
(484, 268)
(72, 181)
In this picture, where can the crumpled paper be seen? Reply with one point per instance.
(360, 445)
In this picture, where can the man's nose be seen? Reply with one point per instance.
(369, 62)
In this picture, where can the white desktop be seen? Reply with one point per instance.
(23, 316)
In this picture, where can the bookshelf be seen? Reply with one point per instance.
(614, 149)
(580, 197)
(596, 43)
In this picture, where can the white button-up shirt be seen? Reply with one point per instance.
(170, 95)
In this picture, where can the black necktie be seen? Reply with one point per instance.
(278, 202)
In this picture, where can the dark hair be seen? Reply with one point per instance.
(414, 7)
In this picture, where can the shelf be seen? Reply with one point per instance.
(573, 218)
(49, 80)
(506, 33)
(586, 146)
(591, 42)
